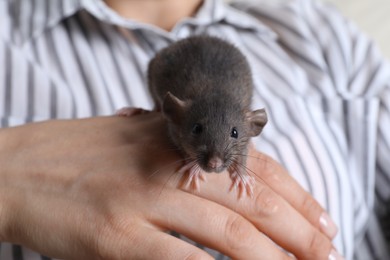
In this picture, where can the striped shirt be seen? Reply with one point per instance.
(324, 84)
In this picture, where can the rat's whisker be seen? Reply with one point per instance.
(256, 176)
(185, 159)
(197, 177)
(172, 149)
(189, 174)
(227, 147)
(251, 156)
(243, 166)
(165, 167)
(185, 175)
(245, 180)
(238, 179)
(173, 174)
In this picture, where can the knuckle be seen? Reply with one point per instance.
(110, 234)
(269, 169)
(269, 164)
(103, 236)
(266, 202)
(237, 233)
(318, 246)
(310, 207)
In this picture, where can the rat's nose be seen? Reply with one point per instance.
(215, 163)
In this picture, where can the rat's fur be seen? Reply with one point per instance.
(205, 80)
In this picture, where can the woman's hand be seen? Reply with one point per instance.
(106, 188)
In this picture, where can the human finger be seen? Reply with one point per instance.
(150, 243)
(217, 227)
(273, 215)
(277, 178)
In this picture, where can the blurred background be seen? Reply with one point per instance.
(372, 16)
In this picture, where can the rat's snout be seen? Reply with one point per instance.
(215, 164)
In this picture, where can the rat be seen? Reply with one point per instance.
(203, 86)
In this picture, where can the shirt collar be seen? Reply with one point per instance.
(32, 18)
(217, 11)
(212, 11)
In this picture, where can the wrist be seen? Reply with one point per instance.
(4, 216)
(5, 195)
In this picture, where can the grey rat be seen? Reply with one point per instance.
(203, 86)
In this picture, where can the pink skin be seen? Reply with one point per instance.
(241, 181)
(131, 111)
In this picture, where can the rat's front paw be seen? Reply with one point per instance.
(242, 182)
(191, 175)
(131, 111)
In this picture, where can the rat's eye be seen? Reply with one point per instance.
(234, 133)
(197, 129)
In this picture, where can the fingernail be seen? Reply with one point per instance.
(328, 227)
(335, 256)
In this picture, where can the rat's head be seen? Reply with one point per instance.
(213, 132)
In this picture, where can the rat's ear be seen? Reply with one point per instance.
(256, 121)
(174, 108)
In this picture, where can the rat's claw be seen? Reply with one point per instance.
(193, 177)
(242, 182)
(131, 111)
(187, 166)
